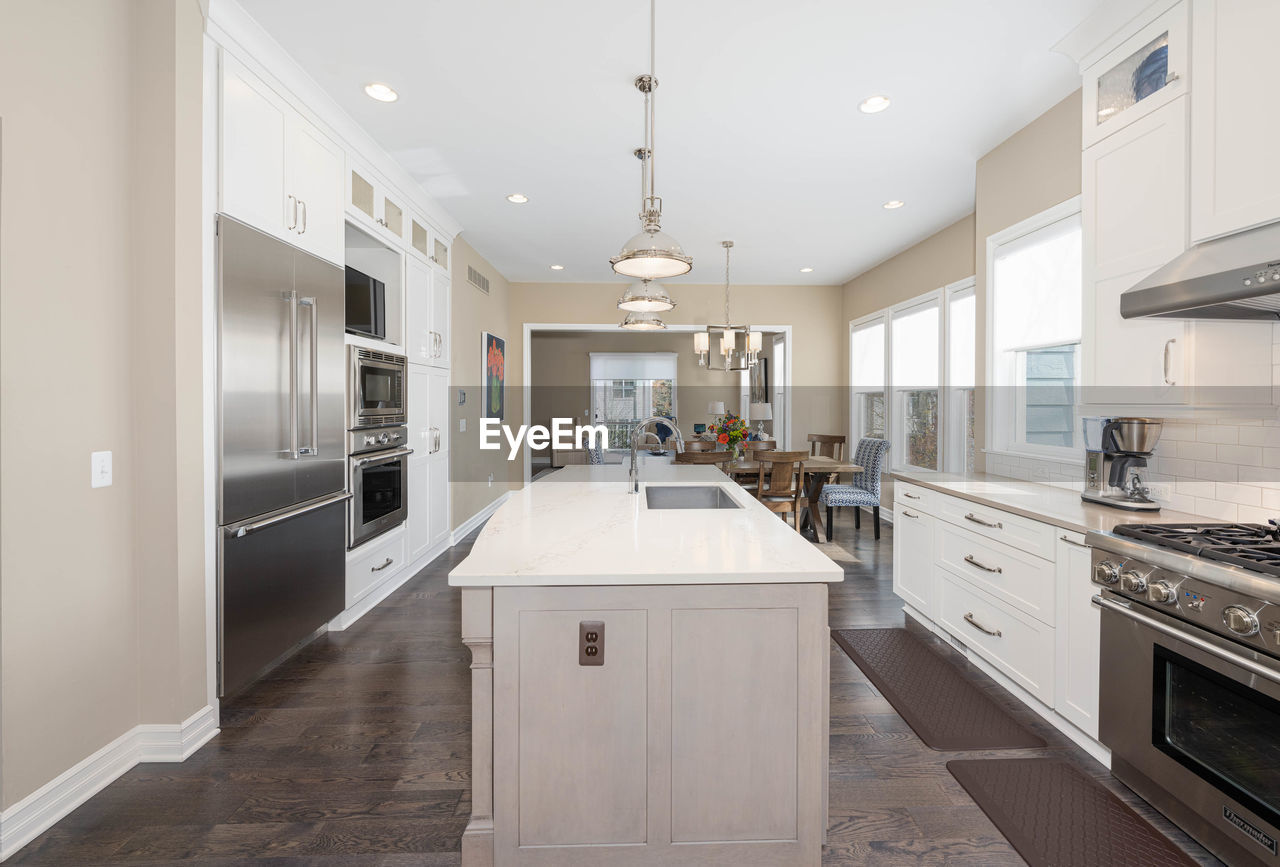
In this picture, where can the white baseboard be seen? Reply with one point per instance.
(466, 527)
(169, 742)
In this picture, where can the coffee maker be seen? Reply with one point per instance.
(1115, 450)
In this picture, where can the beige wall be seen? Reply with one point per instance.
(473, 313)
(814, 312)
(101, 592)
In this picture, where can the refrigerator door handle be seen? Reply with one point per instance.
(242, 530)
(314, 447)
(293, 375)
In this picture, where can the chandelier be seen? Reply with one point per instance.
(651, 254)
(737, 346)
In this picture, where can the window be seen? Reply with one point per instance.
(867, 373)
(915, 363)
(627, 387)
(1036, 306)
(961, 381)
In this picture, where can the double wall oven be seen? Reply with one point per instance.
(1190, 679)
(378, 456)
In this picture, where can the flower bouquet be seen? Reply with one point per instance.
(731, 432)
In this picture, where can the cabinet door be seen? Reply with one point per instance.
(913, 579)
(421, 509)
(420, 342)
(440, 318)
(1134, 221)
(252, 176)
(1235, 176)
(315, 180)
(438, 493)
(1078, 636)
(418, 409)
(439, 410)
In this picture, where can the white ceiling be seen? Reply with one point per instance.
(759, 136)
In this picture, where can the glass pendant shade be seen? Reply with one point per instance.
(646, 297)
(701, 341)
(755, 341)
(642, 322)
(652, 255)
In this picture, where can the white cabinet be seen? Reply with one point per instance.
(427, 324)
(1235, 176)
(913, 571)
(1134, 212)
(278, 172)
(372, 202)
(428, 243)
(428, 410)
(1078, 636)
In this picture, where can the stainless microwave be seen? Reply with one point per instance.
(366, 305)
(377, 389)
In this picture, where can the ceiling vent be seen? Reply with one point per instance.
(478, 280)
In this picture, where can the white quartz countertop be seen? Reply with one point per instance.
(579, 526)
(1060, 506)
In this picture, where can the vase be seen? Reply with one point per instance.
(736, 450)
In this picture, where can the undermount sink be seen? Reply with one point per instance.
(688, 497)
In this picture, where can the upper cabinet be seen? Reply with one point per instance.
(374, 203)
(278, 172)
(1235, 175)
(1146, 71)
(427, 314)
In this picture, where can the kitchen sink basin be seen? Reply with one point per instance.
(688, 497)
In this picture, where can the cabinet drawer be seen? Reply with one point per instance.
(1022, 533)
(1018, 645)
(374, 562)
(914, 496)
(1023, 580)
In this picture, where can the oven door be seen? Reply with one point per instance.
(1193, 723)
(379, 494)
(378, 392)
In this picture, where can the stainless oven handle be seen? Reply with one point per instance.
(381, 457)
(246, 529)
(314, 447)
(1187, 638)
(293, 374)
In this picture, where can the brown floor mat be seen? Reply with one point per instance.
(940, 705)
(1054, 814)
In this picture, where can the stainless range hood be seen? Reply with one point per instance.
(1236, 277)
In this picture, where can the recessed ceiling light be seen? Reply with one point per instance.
(517, 198)
(873, 104)
(557, 267)
(893, 205)
(381, 92)
(806, 270)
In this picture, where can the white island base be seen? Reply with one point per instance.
(700, 739)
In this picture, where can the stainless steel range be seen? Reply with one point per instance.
(1190, 677)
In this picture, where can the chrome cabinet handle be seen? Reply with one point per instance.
(383, 566)
(1171, 78)
(972, 517)
(1071, 541)
(293, 375)
(303, 207)
(294, 201)
(1168, 344)
(909, 495)
(968, 558)
(994, 633)
(909, 514)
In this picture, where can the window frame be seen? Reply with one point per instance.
(895, 409)
(955, 411)
(1005, 434)
(856, 427)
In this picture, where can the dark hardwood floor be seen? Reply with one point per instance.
(357, 752)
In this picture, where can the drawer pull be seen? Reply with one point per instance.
(383, 566)
(909, 495)
(994, 633)
(910, 514)
(972, 517)
(1071, 541)
(968, 558)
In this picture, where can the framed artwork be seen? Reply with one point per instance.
(760, 381)
(494, 365)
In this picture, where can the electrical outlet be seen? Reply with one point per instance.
(100, 469)
(462, 425)
(462, 397)
(591, 642)
(1160, 491)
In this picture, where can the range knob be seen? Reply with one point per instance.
(1239, 620)
(1106, 572)
(1134, 582)
(1162, 592)
(369, 440)
(384, 438)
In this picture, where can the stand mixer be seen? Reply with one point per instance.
(1115, 450)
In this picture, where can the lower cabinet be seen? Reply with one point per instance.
(374, 562)
(428, 502)
(913, 577)
(1078, 636)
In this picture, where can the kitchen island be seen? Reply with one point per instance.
(649, 685)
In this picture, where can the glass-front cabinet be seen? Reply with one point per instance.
(1137, 77)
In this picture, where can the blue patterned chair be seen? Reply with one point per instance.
(865, 490)
(595, 456)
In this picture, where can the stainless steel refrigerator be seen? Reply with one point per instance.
(281, 450)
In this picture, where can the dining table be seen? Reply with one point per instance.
(818, 470)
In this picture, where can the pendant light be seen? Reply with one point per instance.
(651, 254)
(646, 297)
(642, 322)
(731, 355)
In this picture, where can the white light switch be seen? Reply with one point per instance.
(462, 425)
(100, 469)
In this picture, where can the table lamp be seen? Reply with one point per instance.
(762, 412)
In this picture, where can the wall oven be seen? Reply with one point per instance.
(379, 467)
(377, 389)
(1190, 699)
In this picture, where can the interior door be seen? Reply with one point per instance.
(321, 324)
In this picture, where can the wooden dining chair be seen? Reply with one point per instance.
(827, 446)
(699, 446)
(780, 482)
(749, 451)
(760, 446)
(698, 457)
